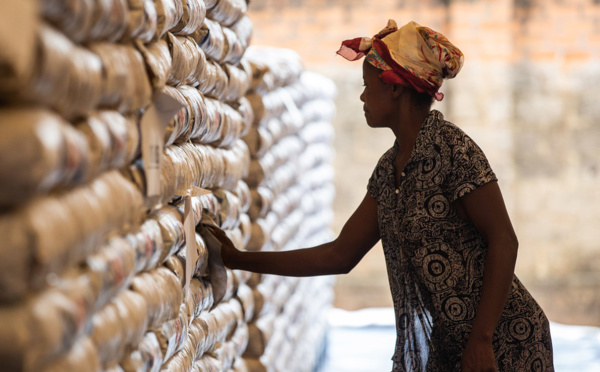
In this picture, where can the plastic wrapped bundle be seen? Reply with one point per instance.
(285, 230)
(280, 104)
(39, 151)
(239, 365)
(182, 361)
(148, 244)
(200, 298)
(194, 13)
(169, 15)
(228, 12)
(243, 29)
(257, 106)
(223, 207)
(125, 84)
(284, 177)
(158, 60)
(213, 80)
(121, 323)
(319, 111)
(261, 232)
(177, 267)
(317, 131)
(196, 204)
(52, 233)
(273, 67)
(208, 363)
(231, 128)
(39, 331)
(240, 338)
(244, 107)
(197, 338)
(112, 269)
(225, 354)
(163, 294)
(86, 20)
(259, 141)
(178, 128)
(68, 78)
(209, 325)
(188, 60)
(254, 365)
(170, 221)
(242, 191)
(246, 298)
(200, 266)
(235, 47)
(147, 357)
(214, 42)
(286, 149)
(172, 335)
(82, 357)
(142, 21)
(113, 141)
(238, 83)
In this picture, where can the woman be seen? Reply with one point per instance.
(435, 203)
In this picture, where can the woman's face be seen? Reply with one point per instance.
(379, 104)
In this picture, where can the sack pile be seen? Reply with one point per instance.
(126, 127)
(291, 188)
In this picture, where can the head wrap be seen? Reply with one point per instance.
(413, 56)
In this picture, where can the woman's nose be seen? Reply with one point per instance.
(362, 96)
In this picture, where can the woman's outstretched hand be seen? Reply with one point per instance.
(478, 356)
(228, 250)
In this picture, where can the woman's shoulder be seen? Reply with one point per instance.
(449, 132)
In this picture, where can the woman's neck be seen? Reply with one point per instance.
(407, 129)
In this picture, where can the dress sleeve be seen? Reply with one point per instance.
(375, 185)
(372, 186)
(469, 167)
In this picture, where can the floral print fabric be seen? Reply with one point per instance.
(435, 258)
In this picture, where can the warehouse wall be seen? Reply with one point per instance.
(526, 94)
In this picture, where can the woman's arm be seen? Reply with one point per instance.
(358, 236)
(486, 210)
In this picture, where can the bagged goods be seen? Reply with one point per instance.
(53, 233)
(169, 14)
(40, 151)
(121, 323)
(194, 13)
(162, 292)
(158, 60)
(125, 85)
(107, 261)
(143, 20)
(147, 357)
(228, 12)
(69, 77)
(86, 20)
(172, 335)
(82, 357)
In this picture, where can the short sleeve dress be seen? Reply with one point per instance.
(435, 258)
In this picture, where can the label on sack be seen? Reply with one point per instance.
(153, 125)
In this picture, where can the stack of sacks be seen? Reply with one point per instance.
(93, 268)
(291, 184)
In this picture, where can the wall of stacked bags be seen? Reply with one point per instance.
(127, 129)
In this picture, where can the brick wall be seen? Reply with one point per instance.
(527, 94)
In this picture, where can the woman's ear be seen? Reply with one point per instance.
(397, 90)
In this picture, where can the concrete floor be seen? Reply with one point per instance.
(363, 341)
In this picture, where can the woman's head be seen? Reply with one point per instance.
(381, 100)
(412, 56)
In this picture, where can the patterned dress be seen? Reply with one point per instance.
(435, 258)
